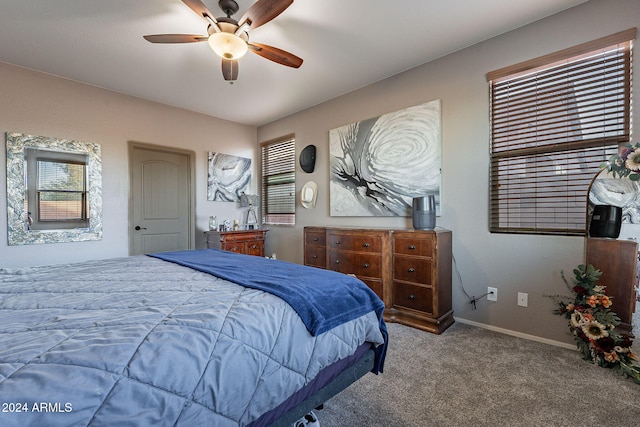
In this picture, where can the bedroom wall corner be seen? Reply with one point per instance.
(41, 104)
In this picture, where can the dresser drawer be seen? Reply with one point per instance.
(234, 247)
(360, 264)
(413, 246)
(315, 256)
(241, 237)
(412, 269)
(355, 242)
(314, 238)
(375, 285)
(414, 297)
(255, 248)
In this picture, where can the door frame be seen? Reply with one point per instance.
(191, 155)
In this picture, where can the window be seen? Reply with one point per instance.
(554, 121)
(57, 189)
(279, 181)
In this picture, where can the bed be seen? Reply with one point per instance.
(184, 338)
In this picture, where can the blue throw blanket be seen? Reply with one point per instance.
(323, 299)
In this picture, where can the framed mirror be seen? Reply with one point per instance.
(54, 190)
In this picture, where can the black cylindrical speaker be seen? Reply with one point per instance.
(424, 213)
(605, 221)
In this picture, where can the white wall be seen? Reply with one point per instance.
(39, 104)
(512, 263)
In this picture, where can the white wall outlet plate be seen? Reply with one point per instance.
(492, 294)
(523, 299)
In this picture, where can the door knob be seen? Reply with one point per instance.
(138, 228)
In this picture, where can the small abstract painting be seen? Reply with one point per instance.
(229, 176)
(380, 164)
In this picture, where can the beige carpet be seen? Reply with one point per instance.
(470, 376)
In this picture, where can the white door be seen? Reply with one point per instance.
(161, 207)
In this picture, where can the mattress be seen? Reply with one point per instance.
(142, 341)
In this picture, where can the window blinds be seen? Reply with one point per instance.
(61, 191)
(278, 181)
(554, 121)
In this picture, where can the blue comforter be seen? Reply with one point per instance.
(140, 341)
(323, 299)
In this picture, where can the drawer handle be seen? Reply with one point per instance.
(315, 256)
(315, 239)
(412, 247)
(366, 266)
(412, 297)
(338, 242)
(366, 245)
(254, 246)
(337, 261)
(412, 270)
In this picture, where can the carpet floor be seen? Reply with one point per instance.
(469, 376)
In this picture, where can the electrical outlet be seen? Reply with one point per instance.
(492, 294)
(523, 299)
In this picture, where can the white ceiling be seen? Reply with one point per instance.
(345, 44)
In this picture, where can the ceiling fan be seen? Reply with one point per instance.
(230, 38)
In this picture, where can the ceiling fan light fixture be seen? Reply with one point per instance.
(227, 45)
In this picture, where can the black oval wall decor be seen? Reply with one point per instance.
(308, 158)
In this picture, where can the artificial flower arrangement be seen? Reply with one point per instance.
(594, 324)
(625, 164)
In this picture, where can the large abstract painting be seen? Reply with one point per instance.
(379, 165)
(229, 177)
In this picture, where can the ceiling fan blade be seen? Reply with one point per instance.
(230, 70)
(276, 55)
(264, 11)
(198, 7)
(175, 38)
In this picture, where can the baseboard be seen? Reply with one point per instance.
(517, 334)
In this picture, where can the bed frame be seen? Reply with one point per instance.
(350, 375)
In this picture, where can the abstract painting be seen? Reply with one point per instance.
(229, 176)
(380, 164)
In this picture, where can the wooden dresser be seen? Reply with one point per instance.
(617, 260)
(248, 242)
(410, 270)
